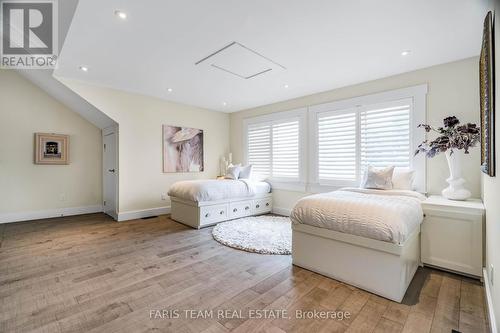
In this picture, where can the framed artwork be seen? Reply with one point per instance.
(487, 98)
(182, 149)
(51, 148)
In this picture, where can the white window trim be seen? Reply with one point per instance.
(301, 114)
(417, 116)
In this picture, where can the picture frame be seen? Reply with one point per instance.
(51, 148)
(183, 149)
(487, 97)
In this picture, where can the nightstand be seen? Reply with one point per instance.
(452, 235)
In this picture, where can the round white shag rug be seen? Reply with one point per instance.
(261, 234)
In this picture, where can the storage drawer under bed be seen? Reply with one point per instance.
(215, 213)
(240, 209)
(263, 205)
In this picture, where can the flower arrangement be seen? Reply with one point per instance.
(451, 136)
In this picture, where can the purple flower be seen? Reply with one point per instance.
(450, 137)
(450, 121)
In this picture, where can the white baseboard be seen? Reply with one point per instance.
(282, 211)
(489, 302)
(138, 214)
(49, 213)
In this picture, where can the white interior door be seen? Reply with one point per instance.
(110, 171)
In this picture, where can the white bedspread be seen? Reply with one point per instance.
(211, 189)
(386, 215)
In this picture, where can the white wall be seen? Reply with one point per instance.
(140, 119)
(26, 187)
(453, 90)
(491, 193)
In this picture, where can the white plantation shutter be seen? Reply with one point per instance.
(274, 149)
(337, 145)
(349, 140)
(385, 134)
(285, 149)
(259, 149)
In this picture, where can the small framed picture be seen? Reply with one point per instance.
(51, 148)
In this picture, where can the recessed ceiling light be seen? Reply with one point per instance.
(121, 14)
(170, 90)
(285, 86)
(83, 68)
(405, 52)
(224, 103)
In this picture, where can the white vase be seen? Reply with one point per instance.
(455, 189)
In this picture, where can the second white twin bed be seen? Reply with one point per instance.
(366, 238)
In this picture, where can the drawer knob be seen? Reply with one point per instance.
(247, 208)
(258, 206)
(267, 204)
(221, 212)
(207, 215)
(235, 210)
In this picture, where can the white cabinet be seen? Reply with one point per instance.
(452, 235)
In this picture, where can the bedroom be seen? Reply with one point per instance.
(249, 166)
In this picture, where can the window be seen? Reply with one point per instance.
(342, 138)
(385, 134)
(337, 145)
(377, 130)
(285, 150)
(274, 146)
(259, 149)
(350, 140)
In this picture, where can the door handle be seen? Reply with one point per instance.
(111, 170)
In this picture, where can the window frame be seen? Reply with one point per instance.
(417, 94)
(300, 114)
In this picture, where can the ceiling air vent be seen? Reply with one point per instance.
(241, 61)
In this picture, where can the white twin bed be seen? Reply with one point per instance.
(366, 238)
(200, 203)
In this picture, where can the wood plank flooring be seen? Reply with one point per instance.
(91, 274)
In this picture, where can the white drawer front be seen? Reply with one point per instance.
(240, 209)
(262, 205)
(211, 214)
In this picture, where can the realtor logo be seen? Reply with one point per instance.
(29, 34)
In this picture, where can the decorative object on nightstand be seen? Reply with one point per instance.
(452, 235)
(225, 163)
(453, 139)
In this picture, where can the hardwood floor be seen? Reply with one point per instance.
(91, 274)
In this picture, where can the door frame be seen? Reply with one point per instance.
(105, 132)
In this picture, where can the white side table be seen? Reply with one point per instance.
(452, 235)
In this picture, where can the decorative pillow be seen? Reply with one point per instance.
(233, 172)
(380, 179)
(403, 179)
(246, 172)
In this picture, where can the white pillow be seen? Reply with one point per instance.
(380, 179)
(246, 172)
(233, 172)
(403, 179)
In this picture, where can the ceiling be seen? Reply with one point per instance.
(229, 55)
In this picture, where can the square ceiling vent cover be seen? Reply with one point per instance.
(241, 61)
